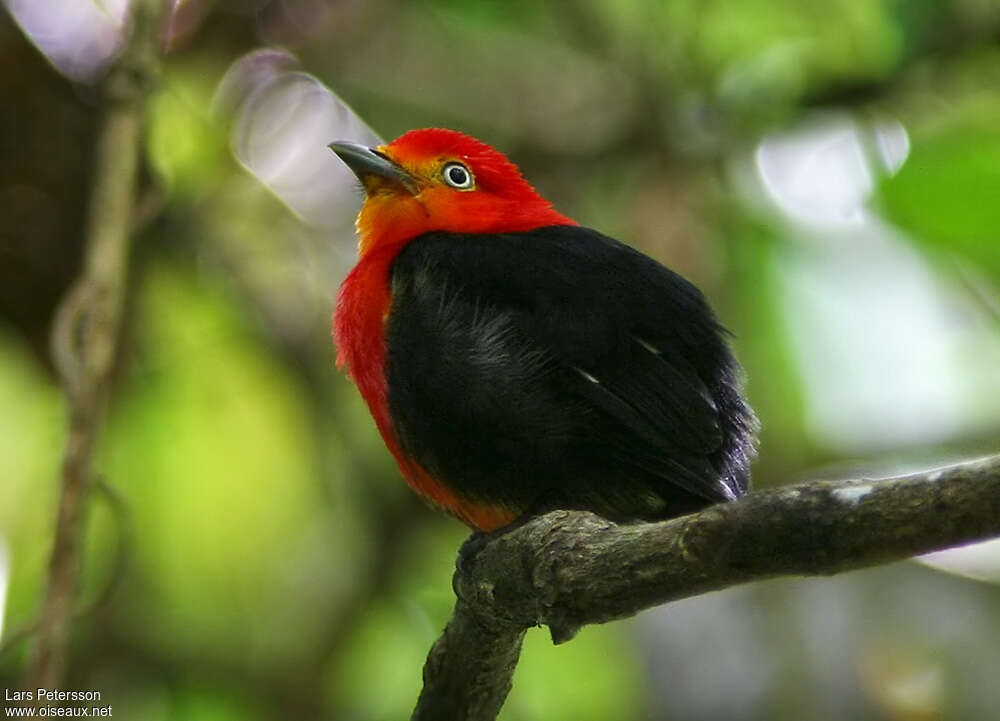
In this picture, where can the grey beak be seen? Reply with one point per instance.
(371, 166)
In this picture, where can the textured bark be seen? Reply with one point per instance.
(567, 569)
(469, 670)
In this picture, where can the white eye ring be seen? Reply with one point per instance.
(457, 176)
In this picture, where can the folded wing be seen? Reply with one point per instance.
(560, 367)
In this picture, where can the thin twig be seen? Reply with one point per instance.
(86, 331)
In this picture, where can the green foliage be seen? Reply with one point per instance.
(948, 194)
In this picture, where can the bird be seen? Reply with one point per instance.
(515, 361)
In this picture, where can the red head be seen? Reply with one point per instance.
(436, 179)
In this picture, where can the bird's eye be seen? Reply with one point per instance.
(457, 176)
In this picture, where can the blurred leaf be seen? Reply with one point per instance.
(947, 195)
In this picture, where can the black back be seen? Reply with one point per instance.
(561, 368)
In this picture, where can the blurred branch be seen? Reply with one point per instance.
(86, 331)
(567, 569)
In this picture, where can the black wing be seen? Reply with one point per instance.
(559, 367)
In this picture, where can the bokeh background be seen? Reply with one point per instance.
(827, 172)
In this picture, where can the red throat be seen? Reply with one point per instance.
(502, 201)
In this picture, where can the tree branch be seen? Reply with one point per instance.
(86, 331)
(567, 569)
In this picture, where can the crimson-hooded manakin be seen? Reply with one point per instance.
(515, 361)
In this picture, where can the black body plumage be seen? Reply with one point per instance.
(559, 368)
